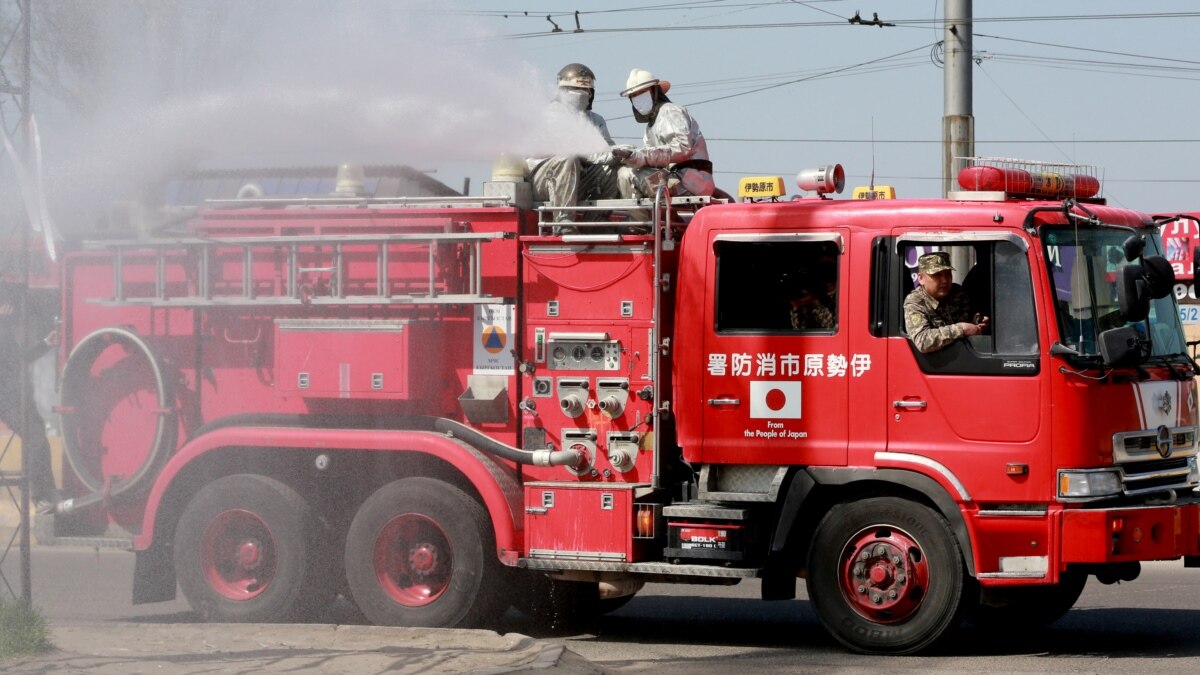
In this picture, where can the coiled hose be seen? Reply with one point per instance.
(75, 379)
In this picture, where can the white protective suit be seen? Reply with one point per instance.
(672, 141)
(562, 180)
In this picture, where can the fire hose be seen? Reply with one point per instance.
(566, 457)
(76, 376)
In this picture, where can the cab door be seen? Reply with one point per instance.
(775, 378)
(976, 406)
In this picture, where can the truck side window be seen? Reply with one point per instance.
(776, 287)
(995, 278)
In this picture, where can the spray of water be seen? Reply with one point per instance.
(269, 83)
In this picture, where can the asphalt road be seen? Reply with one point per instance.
(1151, 625)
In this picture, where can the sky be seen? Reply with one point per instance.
(796, 85)
(445, 86)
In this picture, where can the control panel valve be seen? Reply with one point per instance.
(572, 406)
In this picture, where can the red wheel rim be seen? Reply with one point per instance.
(238, 555)
(413, 560)
(884, 574)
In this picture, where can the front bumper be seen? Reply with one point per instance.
(1130, 534)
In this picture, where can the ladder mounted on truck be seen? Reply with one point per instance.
(201, 254)
(672, 209)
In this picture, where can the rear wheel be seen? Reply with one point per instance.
(420, 552)
(885, 576)
(1028, 608)
(245, 551)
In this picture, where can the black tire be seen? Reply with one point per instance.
(1028, 608)
(420, 552)
(245, 551)
(886, 576)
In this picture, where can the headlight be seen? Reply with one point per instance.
(1089, 484)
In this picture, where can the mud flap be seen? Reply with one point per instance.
(153, 576)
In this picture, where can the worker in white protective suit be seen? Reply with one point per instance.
(674, 149)
(563, 180)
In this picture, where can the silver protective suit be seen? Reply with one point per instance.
(672, 138)
(563, 180)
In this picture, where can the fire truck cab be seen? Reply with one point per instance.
(441, 408)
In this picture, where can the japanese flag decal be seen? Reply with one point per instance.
(774, 400)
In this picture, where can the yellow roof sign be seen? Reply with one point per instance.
(877, 192)
(761, 187)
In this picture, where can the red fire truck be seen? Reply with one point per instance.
(440, 408)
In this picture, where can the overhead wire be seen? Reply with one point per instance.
(694, 88)
(930, 141)
(825, 73)
(808, 4)
(1021, 110)
(882, 64)
(1027, 58)
(671, 6)
(1084, 49)
(911, 23)
(539, 14)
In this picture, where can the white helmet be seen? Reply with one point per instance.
(641, 80)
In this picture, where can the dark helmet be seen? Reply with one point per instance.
(577, 75)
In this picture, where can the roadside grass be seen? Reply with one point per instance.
(22, 631)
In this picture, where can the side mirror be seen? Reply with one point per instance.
(1133, 293)
(1133, 247)
(1122, 347)
(1159, 275)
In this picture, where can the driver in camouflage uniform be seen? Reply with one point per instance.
(937, 311)
(806, 308)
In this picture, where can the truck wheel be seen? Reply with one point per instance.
(1028, 608)
(420, 552)
(885, 576)
(244, 552)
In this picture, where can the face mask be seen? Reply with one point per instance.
(575, 99)
(643, 102)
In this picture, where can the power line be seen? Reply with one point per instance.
(673, 6)
(809, 5)
(878, 177)
(1023, 58)
(695, 88)
(910, 23)
(917, 141)
(1084, 49)
(810, 77)
(1052, 64)
(1021, 110)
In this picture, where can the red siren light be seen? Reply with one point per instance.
(1023, 182)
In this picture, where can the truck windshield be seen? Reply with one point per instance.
(1085, 267)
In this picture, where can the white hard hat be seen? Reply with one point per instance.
(640, 80)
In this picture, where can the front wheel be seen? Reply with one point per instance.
(885, 576)
(246, 550)
(420, 553)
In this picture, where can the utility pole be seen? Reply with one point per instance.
(16, 73)
(958, 119)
